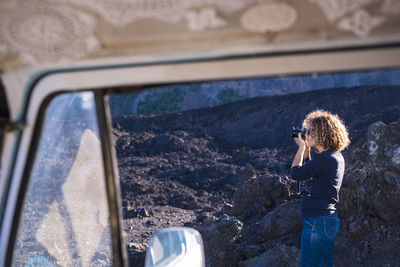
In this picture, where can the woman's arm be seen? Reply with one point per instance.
(298, 171)
(298, 158)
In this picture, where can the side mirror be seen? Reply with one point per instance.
(175, 246)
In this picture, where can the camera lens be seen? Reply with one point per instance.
(296, 131)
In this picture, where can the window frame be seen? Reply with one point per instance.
(112, 188)
(99, 78)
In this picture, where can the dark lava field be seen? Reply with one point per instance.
(224, 171)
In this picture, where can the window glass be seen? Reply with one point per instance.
(65, 218)
(195, 154)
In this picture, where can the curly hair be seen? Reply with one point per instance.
(327, 129)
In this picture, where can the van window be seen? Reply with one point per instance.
(185, 150)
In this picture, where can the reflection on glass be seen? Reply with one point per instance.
(65, 219)
(165, 246)
(175, 247)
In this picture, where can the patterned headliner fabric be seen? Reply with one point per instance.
(67, 30)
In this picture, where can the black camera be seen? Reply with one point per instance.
(297, 130)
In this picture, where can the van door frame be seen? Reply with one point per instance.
(96, 78)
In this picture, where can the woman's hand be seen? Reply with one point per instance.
(301, 143)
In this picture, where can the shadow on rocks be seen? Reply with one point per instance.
(279, 256)
(267, 190)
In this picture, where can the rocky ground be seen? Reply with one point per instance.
(224, 171)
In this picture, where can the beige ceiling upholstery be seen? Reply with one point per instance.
(54, 31)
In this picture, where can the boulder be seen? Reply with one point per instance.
(283, 220)
(371, 185)
(267, 190)
(219, 236)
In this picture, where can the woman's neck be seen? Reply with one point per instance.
(320, 149)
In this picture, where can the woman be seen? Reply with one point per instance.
(321, 179)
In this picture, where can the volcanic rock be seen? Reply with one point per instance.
(284, 219)
(280, 256)
(234, 159)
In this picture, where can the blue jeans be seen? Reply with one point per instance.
(317, 240)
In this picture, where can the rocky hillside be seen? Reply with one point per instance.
(186, 96)
(224, 171)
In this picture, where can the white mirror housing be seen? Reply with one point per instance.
(175, 246)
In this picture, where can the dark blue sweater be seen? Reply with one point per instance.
(321, 180)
